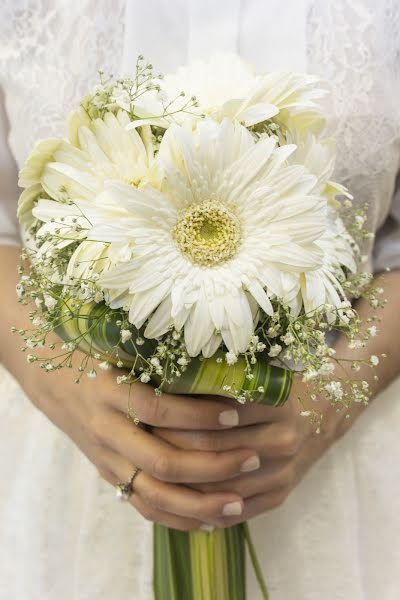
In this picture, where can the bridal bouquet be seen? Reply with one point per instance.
(187, 231)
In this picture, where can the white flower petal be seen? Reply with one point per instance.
(160, 321)
(144, 202)
(198, 327)
(238, 327)
(217, 311)
(118, 276)
(142, 281)
(60, 179)
(26, 203)
(248, 166)
(143, 304)
(88, 258)
(260, 296)
(50, 210)
(88, 142)
(212, 345)
(257, 113)
(180, 317)
(42, 153)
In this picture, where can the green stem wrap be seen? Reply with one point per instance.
(199, 565)
(211, 376)
(192, 565)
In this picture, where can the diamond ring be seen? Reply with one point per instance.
(124, 491)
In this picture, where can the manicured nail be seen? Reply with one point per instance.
(251, 464)
(231, 509)
(229, 418)
(208, 528)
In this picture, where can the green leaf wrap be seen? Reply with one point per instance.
(202, 376)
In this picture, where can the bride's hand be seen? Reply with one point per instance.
(284, 440)
(93, 415)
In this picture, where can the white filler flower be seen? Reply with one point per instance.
(232, 225)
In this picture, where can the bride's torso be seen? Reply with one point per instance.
(51, 51)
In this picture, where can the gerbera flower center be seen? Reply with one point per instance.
(208, 233)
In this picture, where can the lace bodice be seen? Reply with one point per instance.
(50, 56)
(355, 46)
(50, 53)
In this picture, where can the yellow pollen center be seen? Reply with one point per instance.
(208, 233)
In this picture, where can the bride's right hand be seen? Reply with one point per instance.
(93, 415)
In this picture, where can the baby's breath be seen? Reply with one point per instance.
(114, 94)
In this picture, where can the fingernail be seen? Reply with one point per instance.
(251, 464)
(231, 509)
(208, 528)
(229, 418)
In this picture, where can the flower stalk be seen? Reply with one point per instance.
(197, 565)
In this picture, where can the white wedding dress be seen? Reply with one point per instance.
(63, 535)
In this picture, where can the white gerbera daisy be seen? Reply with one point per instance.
(77, 168)
(232, 225)
(226, 86)
(73, 173)
(106, 151)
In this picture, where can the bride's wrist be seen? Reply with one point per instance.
(330, 422)
(336, 422)
(15, 315)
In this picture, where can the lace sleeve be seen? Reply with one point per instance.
(9, 230)
(387, 244)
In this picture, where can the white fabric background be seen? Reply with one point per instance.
(63, 535)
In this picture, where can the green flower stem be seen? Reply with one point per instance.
(201, 567)
(254, 560)
(198, 565)
(172, 574)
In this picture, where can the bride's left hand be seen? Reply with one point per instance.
(285, 441)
